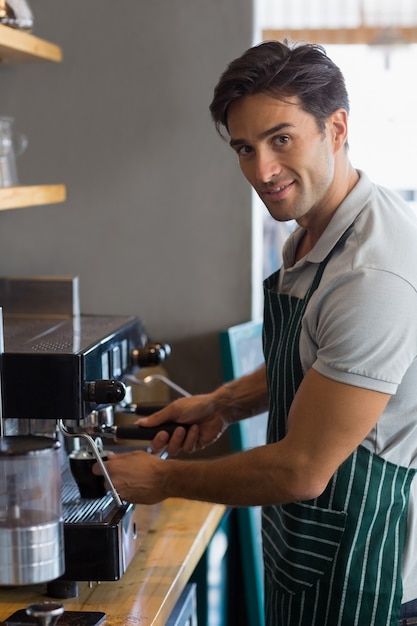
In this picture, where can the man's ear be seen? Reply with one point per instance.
(338, 127)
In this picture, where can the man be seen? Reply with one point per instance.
(340, 340)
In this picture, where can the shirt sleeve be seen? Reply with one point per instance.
(361, 329)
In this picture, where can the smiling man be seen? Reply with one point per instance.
(336, 476)
(299, 171)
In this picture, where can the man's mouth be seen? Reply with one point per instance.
(276, 190)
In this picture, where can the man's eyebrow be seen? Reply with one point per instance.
(263, 135)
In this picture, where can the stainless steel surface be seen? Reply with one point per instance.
(41, 296)
(31, 523)
(31, 554)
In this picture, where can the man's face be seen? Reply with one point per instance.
(284, 156)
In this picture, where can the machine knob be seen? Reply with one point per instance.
(151, 354)
(104, 391)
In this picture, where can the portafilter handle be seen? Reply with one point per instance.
(45, 613)
(134, 431)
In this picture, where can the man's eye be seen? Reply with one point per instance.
(243, 150)
(281, 140)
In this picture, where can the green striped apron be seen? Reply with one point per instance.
(335, 560)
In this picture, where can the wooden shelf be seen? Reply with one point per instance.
(19, 197)
(18, 46)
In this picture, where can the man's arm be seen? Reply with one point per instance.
(327, 421)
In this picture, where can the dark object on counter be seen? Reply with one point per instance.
(17, 14)
(90, 485)
(62, 589)
(68, 618)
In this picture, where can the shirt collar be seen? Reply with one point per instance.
(346, 214)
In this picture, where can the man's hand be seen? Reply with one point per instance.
(137, 476)
(210, 414)
(206, 425)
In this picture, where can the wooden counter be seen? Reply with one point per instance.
(153, 582)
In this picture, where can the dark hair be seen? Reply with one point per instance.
(282, 70)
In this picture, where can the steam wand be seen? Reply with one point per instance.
(98, 458)
(151, 377)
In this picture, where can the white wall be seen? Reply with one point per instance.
(158, 217)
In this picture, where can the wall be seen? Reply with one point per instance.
(158, 218)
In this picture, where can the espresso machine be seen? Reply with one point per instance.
(64, 378)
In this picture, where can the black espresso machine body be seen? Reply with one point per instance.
(50, 366)
(65, 370)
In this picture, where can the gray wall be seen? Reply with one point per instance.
(158, 218)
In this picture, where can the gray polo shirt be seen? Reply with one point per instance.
(360, 326)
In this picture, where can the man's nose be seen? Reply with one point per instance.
(268, 166)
